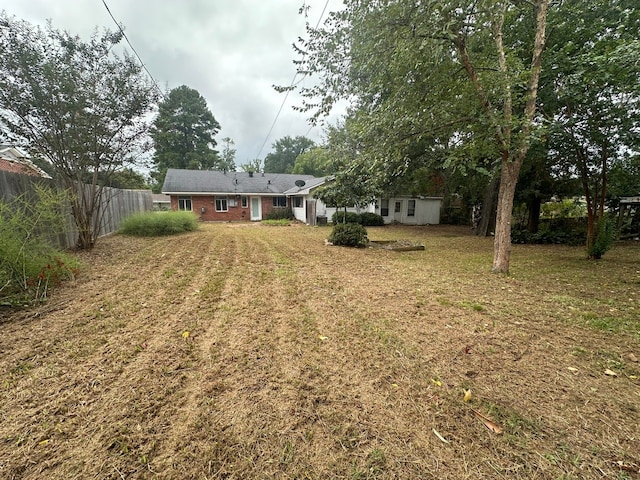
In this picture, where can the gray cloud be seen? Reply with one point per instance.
(232, 52)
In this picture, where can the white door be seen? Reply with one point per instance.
(256, 209)
(397, 211)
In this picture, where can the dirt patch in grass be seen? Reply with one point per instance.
(259, 353)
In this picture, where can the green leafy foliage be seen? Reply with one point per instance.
(30, 263)
(127, 178)
(591, 94)
(77, 104)
(280, 214)
(366, 219)
(445, 83)
(349, 235)
(155, 224)
(317, 162)
(605, 237)
(183, 134)
(286, 151)
(370, 219)
(341, 216)
(565, 231)
(254, 166)
(228, 156)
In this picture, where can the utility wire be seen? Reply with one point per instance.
(133, 49)
(293, 83)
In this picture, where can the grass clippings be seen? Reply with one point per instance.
(253, 352)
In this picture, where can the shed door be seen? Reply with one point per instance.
(397, 211)
(256, 213)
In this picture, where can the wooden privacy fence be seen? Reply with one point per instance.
(116, 204)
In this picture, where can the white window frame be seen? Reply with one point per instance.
(183, 202)
(244, 200)
(383, 202)
(222, 204)
(411, 210)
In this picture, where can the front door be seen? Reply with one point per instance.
(256, 210)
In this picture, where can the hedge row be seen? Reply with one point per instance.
(366, 219)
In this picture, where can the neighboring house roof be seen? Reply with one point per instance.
(181, 182)
(15, 160)
(160, 198)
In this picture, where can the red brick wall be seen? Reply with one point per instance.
(234, 214)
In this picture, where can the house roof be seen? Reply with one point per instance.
(179, 182)
(308, 186)
(15, 160)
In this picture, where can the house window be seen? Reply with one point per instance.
(244, 201)
(184, 203)
(411, 208)
(280, 202)
(221, 204)
(398, 206)
(233, 202)
(297, 202)
(384, 207)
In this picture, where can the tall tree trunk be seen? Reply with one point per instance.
(512, 155)
(502, 242)
(512, 161)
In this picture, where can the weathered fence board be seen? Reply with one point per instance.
(121, 204)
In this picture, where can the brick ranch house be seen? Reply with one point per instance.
(244, 196)
(230, 196)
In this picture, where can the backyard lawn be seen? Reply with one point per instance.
(245, 351)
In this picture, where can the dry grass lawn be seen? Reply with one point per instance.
(247, 351)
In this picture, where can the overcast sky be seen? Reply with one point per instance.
(231, 51)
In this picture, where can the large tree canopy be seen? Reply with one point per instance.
(77, 104)
(432, 77)
(183, 133)
(286, 150)
(591, 94)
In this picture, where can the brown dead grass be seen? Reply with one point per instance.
(310, 361)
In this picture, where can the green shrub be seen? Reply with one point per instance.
(153, 224)
(566, 231)
(604, 238)
(349, 235)
(339, 217)
(369, 219)
(30, 262)
(280, 214)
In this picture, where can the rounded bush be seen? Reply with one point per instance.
(349, 235)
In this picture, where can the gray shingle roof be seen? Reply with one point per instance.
(217, 182)
(309, 185)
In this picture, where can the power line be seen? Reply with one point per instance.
(284, 100)
(133, 49)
